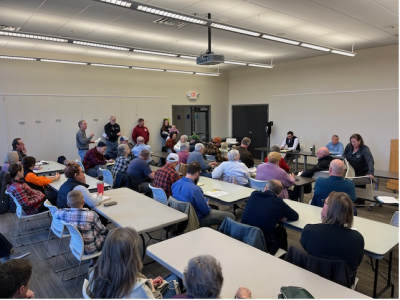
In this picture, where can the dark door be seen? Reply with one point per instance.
(250, 121)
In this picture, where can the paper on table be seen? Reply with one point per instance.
(200, 184)
(387, 200)
(215, 193)
(38, 164)
(94, 195)
(98, 140)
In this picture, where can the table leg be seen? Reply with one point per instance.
(301, 193)
(375, 278)
(144, 247)
(305, 162)
(389, 283)
(262, 156)
(376, 183)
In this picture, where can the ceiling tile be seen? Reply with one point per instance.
(106, 34)
(96, 16)
(60, 9)
(14, 17)
(21, 44)
(81, 27)
(44, 23)
(22, 4)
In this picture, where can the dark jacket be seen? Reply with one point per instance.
(322, 165)
(264, 210)
(362, 161)
(112, 131)
(245, 156)
(65, 188)
(164, 133)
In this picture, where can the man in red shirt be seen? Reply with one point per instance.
(140, 130)
(167, 175)
(94, 158)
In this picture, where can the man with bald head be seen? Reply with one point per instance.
(323, 163)
(335, 182)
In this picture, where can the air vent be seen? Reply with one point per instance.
(171, 22)
(10, 28)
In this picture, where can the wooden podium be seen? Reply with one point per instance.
(394, 164)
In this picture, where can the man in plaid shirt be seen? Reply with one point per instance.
(213, 149)
(86, 221)
(94, 158)
(166, 176)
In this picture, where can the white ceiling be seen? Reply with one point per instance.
(333, 23)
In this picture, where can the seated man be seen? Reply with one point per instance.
(184, 153)
(19, 146)
(193, 140)
(335, 182)
(94, 159)
(213, 149)
(245, 155)
(334, 237)
(264, 210)
(86, 221)
(186, 190)
(335, 147)
(290, 143)
(282, 163)
(139, 170)
(197, 155)
(15, 277)
(233, 168)
(140, 145)
(323, 163)
(125, 140)
(167, 175)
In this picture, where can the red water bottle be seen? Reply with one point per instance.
(100, 185)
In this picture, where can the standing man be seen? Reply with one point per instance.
(140, 130)
(19, 146)
(245, 155)
(290, 143)
(113, 132)
(335, 147)
(82, 142)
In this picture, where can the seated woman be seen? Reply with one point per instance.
(282, 163)
(334, 238)
(170, 143)
(10, 158)
(233, 168)
(203, 279)
(39, 182)
(122, 161)
(31, 200)
(76, 181)
(184, 153)
(182, 140)
(117, 272)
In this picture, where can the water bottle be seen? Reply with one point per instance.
(313, 150)
(100, 186)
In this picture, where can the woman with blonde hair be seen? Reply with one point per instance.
(117, 272)
(10, 158)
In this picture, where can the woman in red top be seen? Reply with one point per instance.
(171, 142)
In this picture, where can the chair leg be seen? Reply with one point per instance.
(12, 231)
(16, 233)
(65, 265)
(58, 253)
(76, 280)
(47, 245)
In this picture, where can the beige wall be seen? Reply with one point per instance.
(25, 77)
(326, 95)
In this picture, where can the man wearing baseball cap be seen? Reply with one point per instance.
(193, 140)
(125, 140)
(167, 175)
(213, 149)
(94, 158)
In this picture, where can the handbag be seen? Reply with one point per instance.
(169, 285)
(294, 292)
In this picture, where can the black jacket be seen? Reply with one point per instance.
(65, 188)
(362, 161)
(112, 131)
(322, 165)
(245, 156)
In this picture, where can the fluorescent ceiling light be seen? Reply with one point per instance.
(207, 74)
(148, 69)
(176, 71)
(17, 57)
(100, 46)
(187, 57)
(33, 36)
(234, 29)
(164, 13)
(64, 61)
(315, 47)
(343, 53)
(118, 2)
(109, 66)
(278, 39)
(261, 66)
(154, 52)
(235, 63)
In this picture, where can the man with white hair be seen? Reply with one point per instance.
(182, 140)
(140, 145)
(197, 155)
(166, 176)
(112, 132)
(233, 168)
(335, 182)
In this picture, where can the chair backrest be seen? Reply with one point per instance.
(84, 288)
(257, 184)
(192, 223)
(51, 207)
(183, 169)
(107, 176)
(323, 174)
(159, 194)
(81, 165)
(19, 211)
(76, 243)
(395, 219)
(177, 168)
(250, 235)
(56, 224)
(210, 157)
(350, 173)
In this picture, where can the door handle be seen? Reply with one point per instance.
(250, 132)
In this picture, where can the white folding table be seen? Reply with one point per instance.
(50, 168)
(92, 182)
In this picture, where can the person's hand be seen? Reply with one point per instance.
(157, 281)
(92, 134)
(370, 176)
(92, 142)
(57, 177)
(119, 133)
(291, 175)
(24, 150)
(29, 295)
(152, 285)
(243, 293)
(110, 160)
(37, 168)
(282, 148)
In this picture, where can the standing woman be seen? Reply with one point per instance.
(359, 156)
(170, 143)
(164, 131)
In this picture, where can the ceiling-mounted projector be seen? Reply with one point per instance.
(210, 59)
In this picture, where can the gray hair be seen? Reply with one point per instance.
(203, 277)
(144, 154)
(246, 141)
(198, 147)
(233, 154)
(121, 149)
(80, 123)
(275, 186)
(185, 137)
(275, 148)
(140, 139)
(11, 157)
(184, 146)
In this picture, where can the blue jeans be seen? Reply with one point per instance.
(171, 291)
(112, 149)
(82, 154)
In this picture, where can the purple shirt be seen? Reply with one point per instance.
(269, 171)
